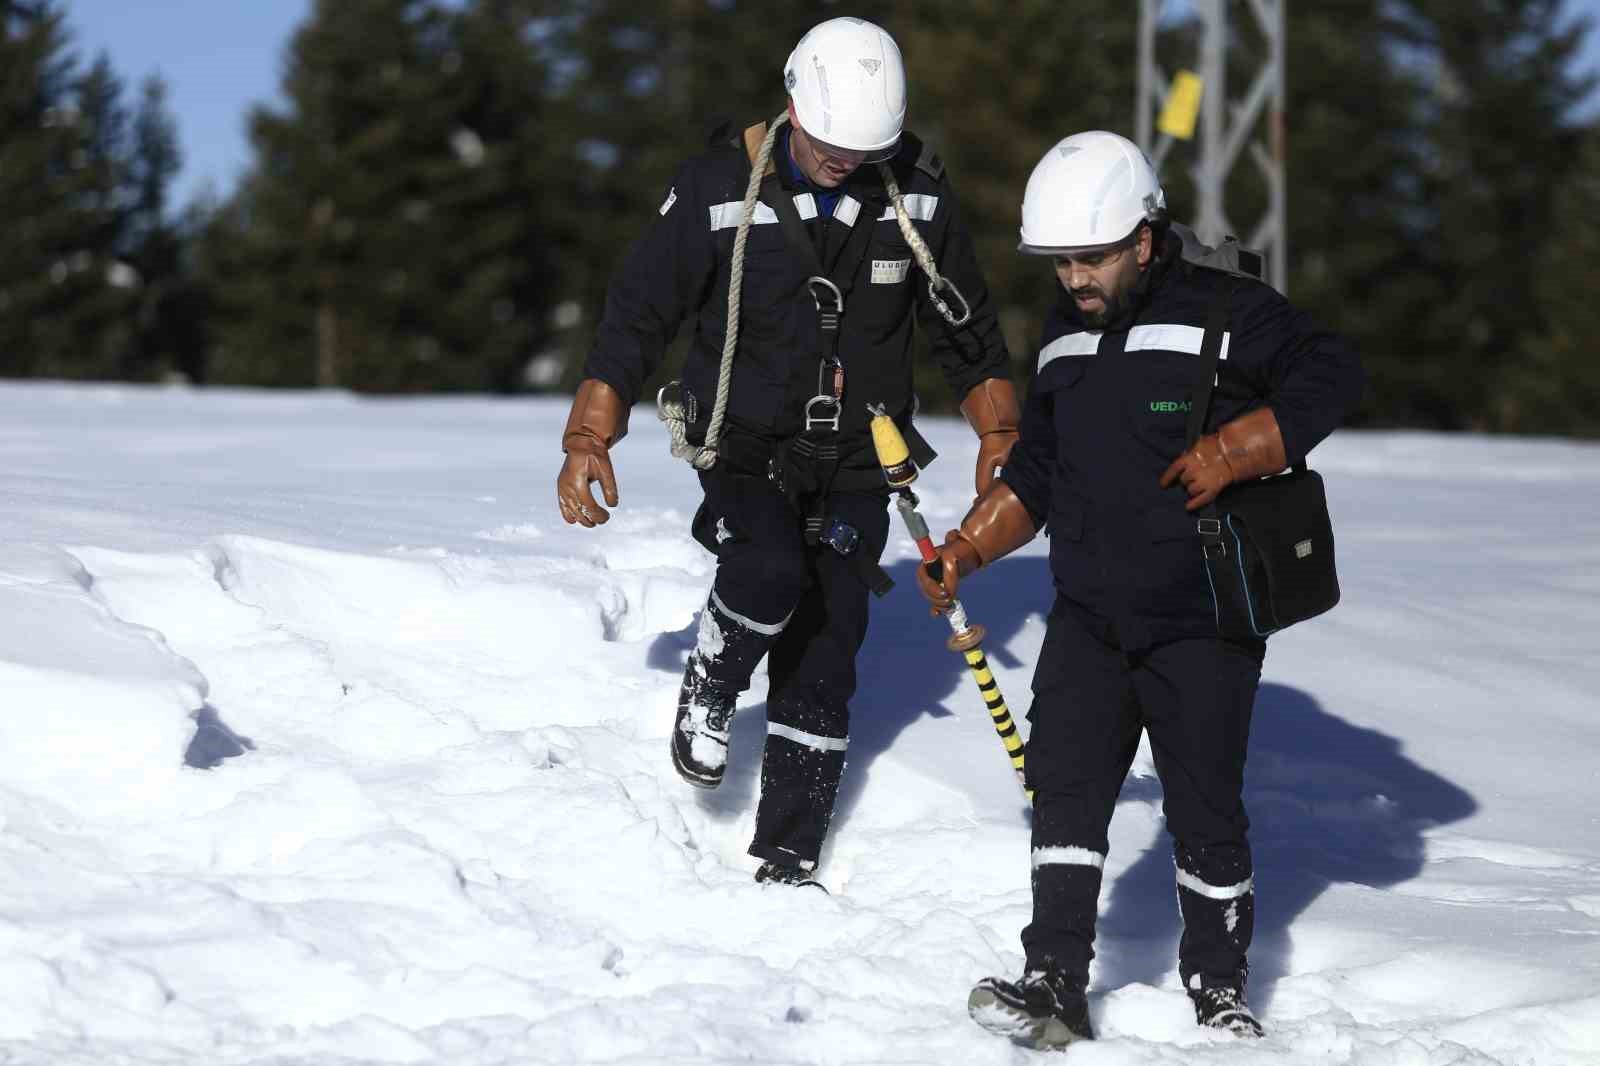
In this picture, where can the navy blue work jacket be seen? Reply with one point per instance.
(1107, 412)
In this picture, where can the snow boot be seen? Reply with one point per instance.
(700, 737)
(1223, 1007)
(1046, 1009)
(778, 873)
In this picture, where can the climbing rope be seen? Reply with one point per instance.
(670, 408)
(924, 256)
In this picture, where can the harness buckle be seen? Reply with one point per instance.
(816, 298)
(823, 421)
(1209, 527)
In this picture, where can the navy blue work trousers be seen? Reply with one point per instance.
(804, 606)
(1092, 700)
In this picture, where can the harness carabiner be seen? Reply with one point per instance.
(830, 395)
(838, 299)
(944, 308)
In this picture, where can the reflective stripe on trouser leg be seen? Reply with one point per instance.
(1199, 695)
(812, 675)
(1066, 890)
(761, 576)
(1085, 732)
(1216, 895)
(728, 645)
(800, 772)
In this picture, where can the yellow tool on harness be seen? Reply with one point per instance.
(966, 637)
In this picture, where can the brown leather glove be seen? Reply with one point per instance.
(598, 420)
(992, 412)
(997, 525)
(1250, 446)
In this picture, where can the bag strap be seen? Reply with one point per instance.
(1209, 523)
(1217, 318)
(1210, 359)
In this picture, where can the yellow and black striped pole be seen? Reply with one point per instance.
(966, 638)
(978, 663)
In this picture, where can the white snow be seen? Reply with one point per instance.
(458, 837)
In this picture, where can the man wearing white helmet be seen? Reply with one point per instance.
(1105, 465)
(802, 251)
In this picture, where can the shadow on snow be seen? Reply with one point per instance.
(1330, 802)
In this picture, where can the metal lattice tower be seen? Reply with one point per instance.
(1227, 126)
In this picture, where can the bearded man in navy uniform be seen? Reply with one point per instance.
(1104, 466)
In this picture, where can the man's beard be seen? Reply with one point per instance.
(1113, 306)
(1119, 305)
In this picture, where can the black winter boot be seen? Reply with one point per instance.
(1046, 1009)
(700, 737)
(778, 873)
(1223, 1007)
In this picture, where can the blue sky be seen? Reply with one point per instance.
(218, 57)
(221, 56)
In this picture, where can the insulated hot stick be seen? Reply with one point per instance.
(966, 637)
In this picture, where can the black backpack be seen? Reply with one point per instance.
(1229, 256)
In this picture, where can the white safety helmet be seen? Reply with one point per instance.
(1092, 190)
(848, 85)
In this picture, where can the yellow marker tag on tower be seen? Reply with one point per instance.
(1182, 108)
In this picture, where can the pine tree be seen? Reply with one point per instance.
(1353, 167)
(1558, 388)
(61, 314)
(1501, 138)
(32, 147)
(309, 267)
(644, 86)
(390, 235)
(499, 265)
(173, 306)
(992, 86)
(94, 335)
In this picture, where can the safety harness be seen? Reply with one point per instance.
(824, 408)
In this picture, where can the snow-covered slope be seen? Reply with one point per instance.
(458, 838)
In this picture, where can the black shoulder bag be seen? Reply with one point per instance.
(1267, 543)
